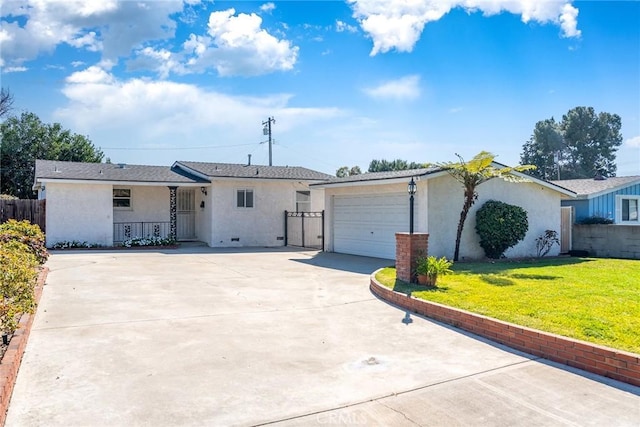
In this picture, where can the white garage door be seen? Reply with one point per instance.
(367, 224)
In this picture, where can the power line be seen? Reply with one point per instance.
(174, 148)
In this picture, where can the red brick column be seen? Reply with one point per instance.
(408, 248)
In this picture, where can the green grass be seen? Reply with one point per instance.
(595, 300)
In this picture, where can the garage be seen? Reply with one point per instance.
(366, 224)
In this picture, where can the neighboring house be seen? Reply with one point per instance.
(220, 204)
(616, 198)
(363, 212)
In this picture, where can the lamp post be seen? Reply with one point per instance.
(412, 190)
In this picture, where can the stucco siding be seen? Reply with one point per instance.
(148, 204)
(445, 203)
(80, 212)
(261, 225)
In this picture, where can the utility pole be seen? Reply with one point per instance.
(267, 131)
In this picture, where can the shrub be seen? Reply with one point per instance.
(149, 241)
(546, 241)
(69, 244)
(595, 220)
(27, 233)
(18, 276)
(500, 226)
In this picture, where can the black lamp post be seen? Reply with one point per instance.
(412, 190)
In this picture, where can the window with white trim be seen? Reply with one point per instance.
(627, 209)
(303, 201)
(122, 198)
(244, 198)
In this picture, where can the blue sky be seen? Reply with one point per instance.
(150, 82)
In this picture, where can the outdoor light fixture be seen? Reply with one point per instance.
(412, 190)
(203, 190)
(412, 187)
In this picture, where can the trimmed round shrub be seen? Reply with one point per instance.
(27, 233)
(500, 226)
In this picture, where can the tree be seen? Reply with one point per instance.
(26, 139)
(473, 173)
(395, 165)
(6, 102)
(345, 171)
(582, 145)
(543, 149)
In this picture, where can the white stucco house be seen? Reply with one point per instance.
(363, 212)
(223, 205)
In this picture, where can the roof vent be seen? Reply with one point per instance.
(257, 171)
(122, 165)
(249, 160)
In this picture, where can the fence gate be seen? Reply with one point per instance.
(305, 229)
(566, 226)
(32, 210)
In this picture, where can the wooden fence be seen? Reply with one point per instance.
(31, 210)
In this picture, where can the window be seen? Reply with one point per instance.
(244, 198)
(303, 201)
(627, 209)
(122, 198)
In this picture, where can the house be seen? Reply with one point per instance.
(363, 212)
(217, 203)
(615, 198)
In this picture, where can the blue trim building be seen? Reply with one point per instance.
(616, 198)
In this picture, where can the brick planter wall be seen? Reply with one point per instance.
(619, 365)
(408, 248)
(13, 356)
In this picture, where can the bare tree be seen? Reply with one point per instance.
(6, 102)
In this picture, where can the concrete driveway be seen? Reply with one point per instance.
(198, 336)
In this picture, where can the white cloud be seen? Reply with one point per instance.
(237, 45)
(7, 70)
(404, 88)
(633, 142)
(398, 24)
(342, 26)
(76, 64)
(164, 112)
(267, 7)
(112, 27)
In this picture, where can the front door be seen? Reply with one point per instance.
(186, 214)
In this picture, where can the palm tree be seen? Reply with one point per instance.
(473, 173)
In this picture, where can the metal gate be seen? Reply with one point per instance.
(305, 229)
(186, 214)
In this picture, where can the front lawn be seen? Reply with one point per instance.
(596, 300)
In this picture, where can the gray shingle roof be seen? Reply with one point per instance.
(53, 169)
(377, 176)
(227, 170)
(586, 187)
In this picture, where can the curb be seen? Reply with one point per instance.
(13, 356)
(608, 362)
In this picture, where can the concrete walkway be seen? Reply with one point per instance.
(198, 336)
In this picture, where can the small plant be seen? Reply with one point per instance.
(27, 233)
(500, 226)
(73, 244)
(595, 220)
(545, 242)
(149, 241)
(430, 267)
